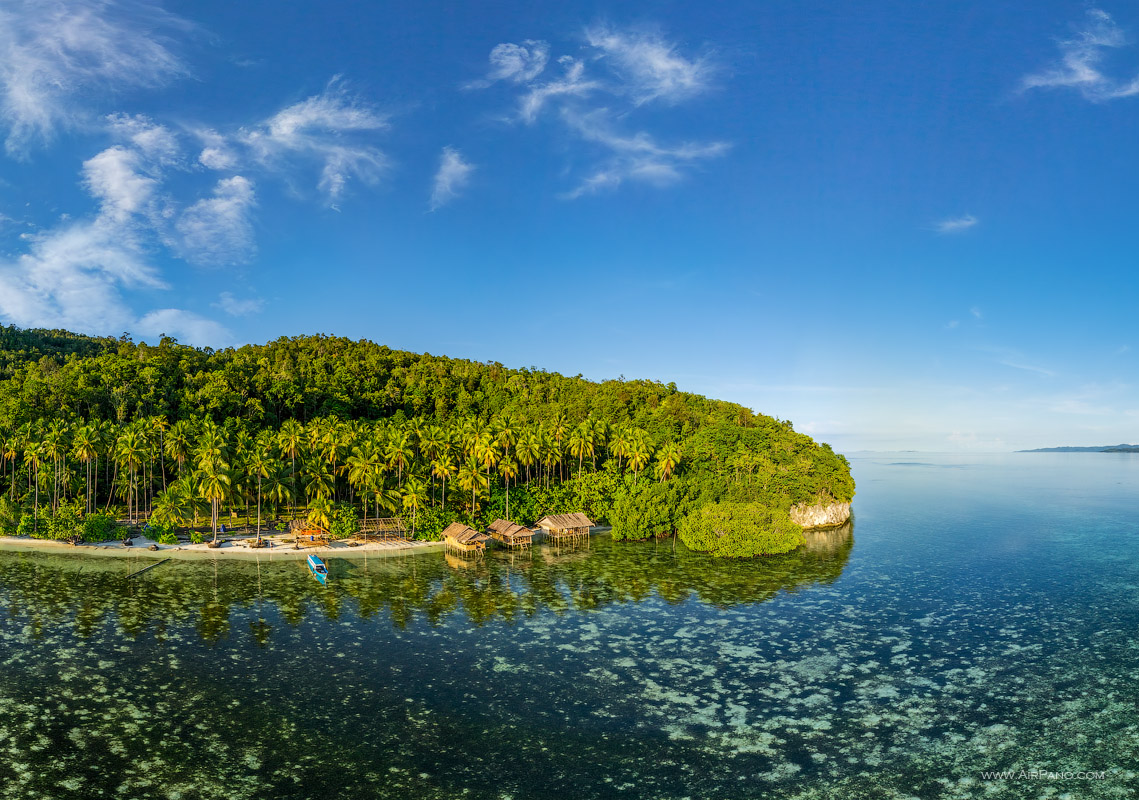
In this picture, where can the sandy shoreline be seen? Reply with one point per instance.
(234, 549)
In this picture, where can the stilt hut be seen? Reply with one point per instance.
(510, 534)
(565, 527)
(464, 539)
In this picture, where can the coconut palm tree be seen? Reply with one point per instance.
(213, 486)
(130, 450)
(320, 513)
(85, 446)
(443, 467)
(260, 466)
(412, 499)
(471, 478)
(290, 438)
(640, 451)
(398, 453)
(508, 469)
(668, 459)
(55, 445)
(33, 454)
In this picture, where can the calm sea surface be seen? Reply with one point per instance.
(982, 614)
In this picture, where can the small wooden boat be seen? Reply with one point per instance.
(318, 570)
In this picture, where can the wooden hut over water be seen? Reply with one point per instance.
(510, 534)
(565, 527)
(464, 539)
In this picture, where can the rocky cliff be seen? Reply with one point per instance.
(820, 516)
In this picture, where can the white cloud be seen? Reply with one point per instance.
(238, 308)
(1081, 58)
(451, 178)
(216, 158)
(637, 68)
(572, 84)
(638, 157)
(326, 127)
(648, 66)
(517, 63)
(114, 177)
(217, 230)
(955, 224)
(56, 54)
(186, 326)
(71, 276)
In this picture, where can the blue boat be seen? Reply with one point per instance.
(318, 570)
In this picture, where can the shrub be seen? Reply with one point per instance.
(10, 514)
(343, 522)
(65, 523)
(740, 530)
(99, 528)
(27, 524)
(167, 538)
(196, 538)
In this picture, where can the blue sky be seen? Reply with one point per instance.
(899, 226)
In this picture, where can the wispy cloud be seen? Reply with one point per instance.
(451, 178)
(332, 128)
(637, 157)
(1081, 61)
(238, 308)
(517, 63)
(650, 67)
(55, 55)
(217, 230)
(955, 224)
(572, 84)
(1029, 368)
(595, 97)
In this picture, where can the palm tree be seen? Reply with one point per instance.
(86, 449)
(639, 454)
(528, 451)
(443, 467)
(214, 487)
(33, 452)
(580, 443)
(412, 499)
(508, 469)
(668, 459)
(178, 442)
(55, 447)
(8, 452)
(290, 439)
(398, 453)
(472, 479)
(259, 465)
(320, 513)
(130, 449)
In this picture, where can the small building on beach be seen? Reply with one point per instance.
(464, 539)
(510, 534)
(561, 527)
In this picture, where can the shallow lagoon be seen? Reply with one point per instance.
(983, 614)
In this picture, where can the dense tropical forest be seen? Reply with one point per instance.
(100, 432)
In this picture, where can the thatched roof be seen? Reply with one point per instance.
(564, 521)
(463, 534)
(508, 529)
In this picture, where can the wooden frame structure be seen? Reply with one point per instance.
(382, 529)
(464, 539)
(566, 527)
(305, 534)
(510, 534)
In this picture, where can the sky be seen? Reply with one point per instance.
(899, 225)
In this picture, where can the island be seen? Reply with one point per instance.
(103, 438)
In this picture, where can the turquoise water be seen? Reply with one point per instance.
(982, 614)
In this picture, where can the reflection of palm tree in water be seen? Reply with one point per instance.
(406, 588)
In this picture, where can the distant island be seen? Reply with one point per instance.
(1107, 448)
